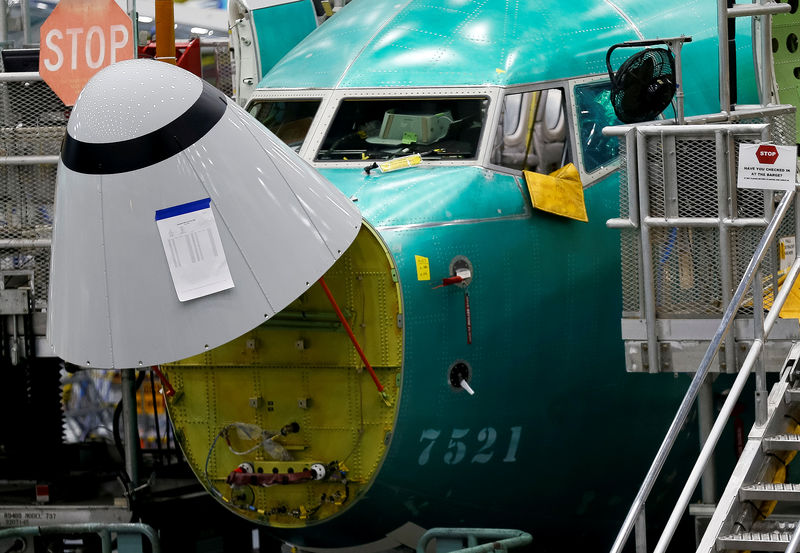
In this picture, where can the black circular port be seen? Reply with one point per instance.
(793, 4)
(791, 42)
(775, 45)
(458, 372)
(797, 72)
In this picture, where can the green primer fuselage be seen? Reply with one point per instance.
(557, 436)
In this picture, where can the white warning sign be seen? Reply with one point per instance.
(767, 166)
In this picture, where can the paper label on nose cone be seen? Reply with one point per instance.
(193, 248)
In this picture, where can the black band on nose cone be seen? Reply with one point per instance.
(137, 153)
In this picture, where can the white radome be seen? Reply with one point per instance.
(145, 136)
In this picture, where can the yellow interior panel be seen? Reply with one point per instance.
(298, 371)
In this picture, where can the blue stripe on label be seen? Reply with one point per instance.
(176, 210)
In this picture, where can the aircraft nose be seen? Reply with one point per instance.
(180, 222)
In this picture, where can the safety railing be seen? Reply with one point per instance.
(795, 541)
(103, 530)
(677, 179)
(752, 276)
(499, 539)
(688, 233)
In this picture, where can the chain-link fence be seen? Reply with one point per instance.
(32, 126)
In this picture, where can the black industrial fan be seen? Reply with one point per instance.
(644, 85)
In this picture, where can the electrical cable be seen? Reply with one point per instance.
(791, 417)
(18, 545)
(759, 512)
(773, 455)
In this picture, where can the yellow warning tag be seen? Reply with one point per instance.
(560, 192)
(423, 268)
(400, 163)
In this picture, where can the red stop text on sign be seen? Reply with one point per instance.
(767, 154)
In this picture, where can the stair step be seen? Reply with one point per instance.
(792, 395)
(755, 541)
(782, 442)
(763, 491)
(763, 536)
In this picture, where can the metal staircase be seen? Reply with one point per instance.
(759, 510)
(688, 236)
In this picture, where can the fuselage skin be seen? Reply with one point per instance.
(557, 436)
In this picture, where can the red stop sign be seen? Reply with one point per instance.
(78, 39)
(767, 154)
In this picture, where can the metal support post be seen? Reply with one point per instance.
(774, 261)
(758, 334)
(3, 23)
(676, 44)
(640, 532)
(633, 176)
(765, 22)
(648, 279)
(723, 140)
(132, 13)
(724, 68)
(705, 416)
(165, 31)
(26, 24)
(131, 426)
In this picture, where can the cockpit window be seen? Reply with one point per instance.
(532, 134)
(593, 105)
(289, 120)
(436, 128)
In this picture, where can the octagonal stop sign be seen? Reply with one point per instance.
(767, 153)
(78, 39)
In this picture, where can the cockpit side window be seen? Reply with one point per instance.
(532, 134)
(437, 128)
(289, 120)
(594, 111)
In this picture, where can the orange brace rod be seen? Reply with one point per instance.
(350, 333)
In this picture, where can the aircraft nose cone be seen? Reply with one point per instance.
(132, 99)
(180, 223)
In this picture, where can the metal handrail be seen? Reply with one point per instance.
(726, 410)
(702, 371)
(104, 530)
(501, 539)
(795, 541)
